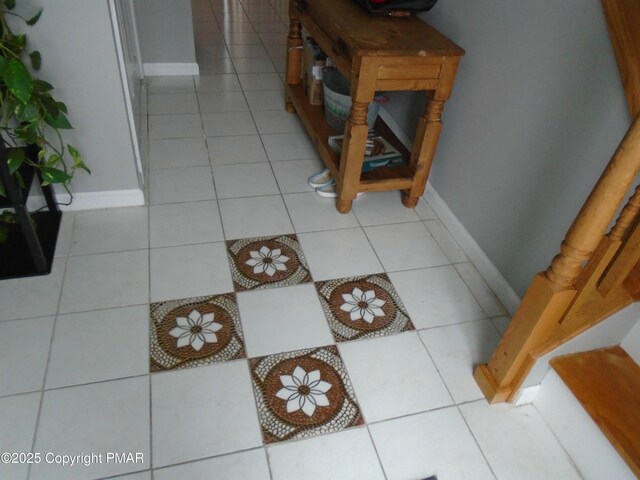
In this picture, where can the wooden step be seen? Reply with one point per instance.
(607, 384)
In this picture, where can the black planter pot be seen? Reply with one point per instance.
(31, 242)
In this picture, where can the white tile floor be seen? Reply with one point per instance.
(227, 162)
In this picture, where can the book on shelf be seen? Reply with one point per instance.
(378, 152)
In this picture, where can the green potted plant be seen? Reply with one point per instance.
(31, 119)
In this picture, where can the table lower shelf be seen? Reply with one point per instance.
(312, 116)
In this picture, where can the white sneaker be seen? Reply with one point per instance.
(321, 179)
(329, 191)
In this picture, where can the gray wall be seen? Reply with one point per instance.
(536, 112)
(79, 59)
(165, 30)
(631, 343)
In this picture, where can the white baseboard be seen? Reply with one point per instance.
(93, 200)
(155, 69)
(526, 395)
(485, 266)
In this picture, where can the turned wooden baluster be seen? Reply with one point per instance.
(551, 292)
(294, 53)
(627, 216)
(628, 243)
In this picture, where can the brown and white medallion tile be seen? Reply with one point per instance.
(363, 307)
(302, 394)
(194, 332)
(267, 262)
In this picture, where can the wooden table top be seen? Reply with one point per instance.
(372, 35)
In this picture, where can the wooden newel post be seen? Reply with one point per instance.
(551, 292)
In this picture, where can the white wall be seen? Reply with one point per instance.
(535, 114)
(631, 343)
(165, 29)
(79, 59)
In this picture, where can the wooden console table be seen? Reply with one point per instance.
(375, 54)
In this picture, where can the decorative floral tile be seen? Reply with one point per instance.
(304, 393)
(363, 307)
(194, 332)
(267, 262)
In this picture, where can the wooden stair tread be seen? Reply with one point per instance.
(607, 384)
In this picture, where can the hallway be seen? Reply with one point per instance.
(238, 326)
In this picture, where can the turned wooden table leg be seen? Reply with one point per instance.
(409, 201)
(352, 155)
(294, 55)
(424, 148)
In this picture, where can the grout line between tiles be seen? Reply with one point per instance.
(209, 457)
(124, 475)
(46, 369)
(567, 454)
(375, 449)
(457, 406)
(150, 387)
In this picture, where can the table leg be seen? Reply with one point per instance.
(424, 148)
(294, 55)
(352, 155)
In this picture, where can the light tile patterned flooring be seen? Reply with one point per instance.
(238, 327)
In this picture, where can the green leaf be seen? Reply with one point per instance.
(73, 152)
(53, 160)
(3, 63)
(8, 217)
(29, 133)
(27, 112)
(54, 175)
(36, 59)
(20, 40)
(10, 4)
(50, 105)
(60, 121)
(18, 80)
(82, 165)
(62, 107)
(9, 107)
(4, 232)
(15, 159)
(40, 86)
(20, 180)
(77, 159)
(33, 20)
(3, 192)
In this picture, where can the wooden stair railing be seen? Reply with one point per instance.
(623, 20)
(570, 297)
